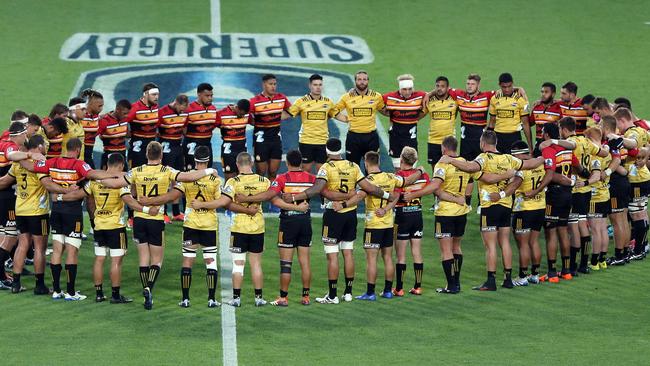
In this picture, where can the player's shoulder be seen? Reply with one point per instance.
(374, 94)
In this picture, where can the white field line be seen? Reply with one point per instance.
(228, 320)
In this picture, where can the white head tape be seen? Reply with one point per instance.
(22, 120)
(337, 152)
(78, 106)
(152, 91)
(406, 84)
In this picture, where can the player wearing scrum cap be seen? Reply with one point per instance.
(143, 123)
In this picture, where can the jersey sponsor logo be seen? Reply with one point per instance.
(362, 112)
(505, 113)
(445, 115)
(316, 115)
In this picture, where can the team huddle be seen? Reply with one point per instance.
(581, 164)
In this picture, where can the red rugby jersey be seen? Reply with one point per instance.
(232, 127)
(577, 111)
(404, 110)
(55, 143)
(200, 120)
(90, 124)
(112, 132)
(544, 113)
(6, 147)
(143, 120)
(171, 124)
(293, 182)
(642, 123)
(267, 114)
(473, 109)
(559, 160)
(416, 204)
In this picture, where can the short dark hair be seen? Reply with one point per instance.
(59, 124)
(115, 159)
(123, 103)
(154, 150)
(16, 127)
(244, 105)
(35, 120)
(588, 99)
(567, 123)
(371, 157)
(571, 87)
(333, 144)
(294, 158)
(74, 144)
(609, 122)
(506, 77)
(148, 86)
(450, 143)
(519, 145)
(550, 86)
(34, 141)
(202, 152)
(58, 108)
(18, 115)
(315, 77)
(624, 102)
(89, 94)
(203, 87)
(475, 77)
(182, 99)
(489, 137)
(600, 103)
(267, 77)
(552, 130)
(442, 78)
(75, 101)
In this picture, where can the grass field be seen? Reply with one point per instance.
(601, 45)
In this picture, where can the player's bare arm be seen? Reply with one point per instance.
(466, 166)
(136, 206)
(260, 197)
(508, 191)
(302, 207)
(352, 201)
(170, 196)
(493, 178)
(373, 190)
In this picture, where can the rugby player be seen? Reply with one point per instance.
(572, 106)
(547, 109)
(74, 117)
(201, 117)
(143, 123)
(57, 118)
(509, 115)
(442, 109)
(94, 102)
(232, 121)
(113, 129)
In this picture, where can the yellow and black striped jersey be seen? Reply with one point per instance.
(341, 176)
(585, 152)
(442, 113)
(454, 181)
(32, 199)
(109, 207)
(314, 114)
(248, 185)
(387, 182)
(636, 174)
(531, 179)
(497, 163)
(508, 112)
(151, 181)
(361, 109)
(207, 188)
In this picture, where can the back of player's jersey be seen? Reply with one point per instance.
(151, 181)
(205, 189)
(32, 199)
(600, 188)
(454, 181)
(414, 205)
(585, 152)
(248, 185)
(387, 182)
(341, 176)
(109, 206)
(531, 179)
(636, 174)
(497, 163)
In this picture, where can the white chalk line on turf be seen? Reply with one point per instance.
(215, 16)
(228, 320)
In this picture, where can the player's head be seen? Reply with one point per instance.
(488, 140)
(115, 162)
(551, 131)
(449, 146)
(407, 158)
(122, 109)
(74, 147)
(568, 92)
(473, 83)
(519, 149)
(269, 84)
(316, 84)
(608, 124)
(201, 157)
(58, 110)
(567, 126)
(19, 116)
(77, 108)
(180, 103)
(548, 92)
(34, 124)
(506, 84)
(204, 93)
(442, 86)
(94, 101)
(18, 132)
(371, 160)
(242, 107)
(55, 127)
(294, 158)
(624, 118)
(594, 134)
(361, 80)
(36, 144)
(333, 147)
(601, 106)
(623, 102)
(150, 93)
(244, 162)
(405, 84)
(154, 151)
(587, 103)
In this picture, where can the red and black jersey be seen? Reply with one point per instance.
(559, 160)
(6, 147)
(55, 144)
(171, 124)
(404, 110)
(200, 120)
(642, 123)
(544, 113)
(416, 204)
(143, 120)
(4, 136)
(64, 172)
(293, 182)
(112, 132)
(578, 112)
(90, 124)
(232, 127)
(473, 109)
(267, 113)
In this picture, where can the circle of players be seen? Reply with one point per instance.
(587, 163)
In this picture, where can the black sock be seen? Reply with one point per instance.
(236, 293)
(16, 277)
(176, 209)
(585, 247)
(491, 278)
(99, 290)
(370, 288)
(418, 268)
(626, 252)
(566, 264)
(400, 268)
(332, 288)
(71, 270)
(449, 273)
(305, 291)
(572, 259)
(618, 253)
(40, 279)
(258, 293)
(522, 272)
(4, 255)
(153, 276)
(534, 270)
(388, 285)
(468, 200)
(144, 276)
(551, 266)
(602, 257)
(211, 280)
(458, 264)
(348, 285)
(594, 259)
(638, 230)
(508, 274)
(115, 292)
(284, 293)
(186, 282)
(56, 277)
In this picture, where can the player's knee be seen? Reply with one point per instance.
(210, 257)
(285, 267)
(114, 253)
(73, 242)
(59, 238)
(238, 262)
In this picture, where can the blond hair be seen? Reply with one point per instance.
(409, 155)
(405, 77)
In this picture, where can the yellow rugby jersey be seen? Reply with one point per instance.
(75, 130)
(531, 179)
(32, 199)
(387, 182)
(361, 109)
(314, 114)
(443, 117)
(247, 184)
(497, 163)
(508, 112)
(636, 174)
(600, 189)
(151, 181)
(341, 176)
(207, 188)
(109, 207)
(585, 152)
(454, 181)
